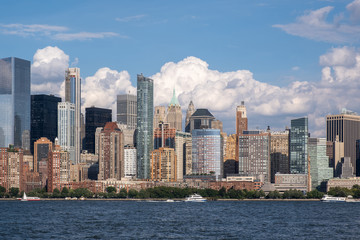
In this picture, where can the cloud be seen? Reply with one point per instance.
(52, 31)
(131, 18)
(30, 30)
(85, 36)
(48, 69)
(314, 25)
(102, 88)
(295, 68)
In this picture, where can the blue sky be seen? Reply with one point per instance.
(303, 51)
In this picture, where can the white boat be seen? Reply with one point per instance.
(327, 198)
(170, 200)
(26, 198)
(195, 198)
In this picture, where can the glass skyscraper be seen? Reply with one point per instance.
(144, 137)
(14, 100)
(206, 152)
(298, 145)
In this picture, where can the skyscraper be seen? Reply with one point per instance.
(111, 153)
(241, 125)
(200, 119)
(42, 147)
(66, 125)
(206, 152)
(164, 136)
(190, 111)
(279, 153)
(347, 126)
(44, 117)
(319, 162)
(254, 154)
(174, 114)
(127, 110)
(144, 137)
(95, 117)
(163, 165)
(73, 95)
(159, 116)
(14, 100)
(299, 145)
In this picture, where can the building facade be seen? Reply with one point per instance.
(164, 136)
(42, 147)
(174, 114)
(130, 161)
(95, 117)
(73, 95)
(206, 152)
(44, 118)
(200, 119)
(66, 126)
(347, 126)
(279, 153)
(14, 100)
(127, 110)
(181, 140)
(254, 155)
(144, 137)
(163, 165)
(159, 116)
(319, 161)
(298, 145)
(111, 152)
(241, 125)
(189, 112)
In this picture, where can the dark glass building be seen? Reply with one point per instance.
(94, 118)
(299, 145)
(44, 118)
(14, 100)
(144, 134)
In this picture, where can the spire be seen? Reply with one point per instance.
(174, 101)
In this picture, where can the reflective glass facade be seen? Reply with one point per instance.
(206, 152)
(144, 137)
(298, 145)
(14, 100)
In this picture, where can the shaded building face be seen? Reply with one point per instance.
(298, 146)
(14, 100)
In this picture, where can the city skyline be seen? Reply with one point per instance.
(307, 66)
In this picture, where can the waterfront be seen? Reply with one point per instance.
(178, 220)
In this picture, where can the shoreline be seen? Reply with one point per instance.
(175, 199)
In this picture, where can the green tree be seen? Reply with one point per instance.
(2, 191)
(64, 192)
(274, 195)
(293, 194)
(340, 192)
(14, 192)
(315, 194)
(56, 193)
(132, 193)
(123, 193)
(110, 189)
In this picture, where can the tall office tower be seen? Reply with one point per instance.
(66, 126)
(127, 110)
(200, 119)
(111, 153)
(164, 136)
(163, 165)
(130, 161)
(95, 117)
(11, 163)
(73, 95)
(347, 169)
(347, 126)
(357, 157)
(159, 116)
(180, 151)
(42, 147)
(319, 162)
(44, 118)
(190, 111)
(241, 125)
(144, 137)
(206, 152)
(254, 154)
(174, 114)
(14, 100)
(230, 165)
(279, 153)
(217, 124)
(128, 134)
(82, 132)
(298, 146)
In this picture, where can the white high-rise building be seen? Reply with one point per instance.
(66, 125)
(73, 95)
(130, 162)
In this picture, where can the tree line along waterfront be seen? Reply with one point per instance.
(178, 193)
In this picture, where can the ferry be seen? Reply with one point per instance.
(195, 198)
(327, 198)
(26, 198)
